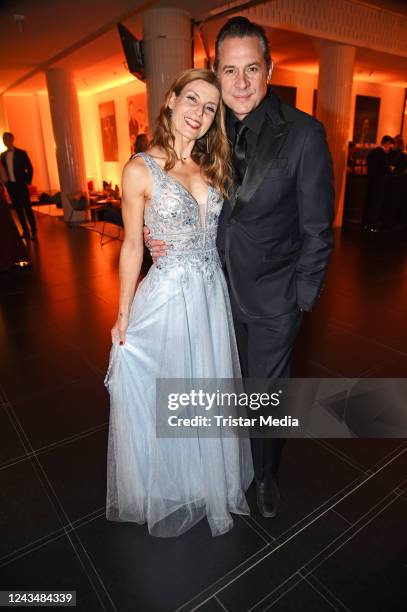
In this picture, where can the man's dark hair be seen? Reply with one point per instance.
(387, 140)
(240, 27)
(8, 134)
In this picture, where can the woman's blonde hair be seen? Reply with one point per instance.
(212, 151)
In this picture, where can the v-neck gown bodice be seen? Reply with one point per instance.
(180, 326)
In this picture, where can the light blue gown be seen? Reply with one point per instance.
(180, 326)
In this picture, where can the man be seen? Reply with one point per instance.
(378, 169)
(19, 172)
(274, 234)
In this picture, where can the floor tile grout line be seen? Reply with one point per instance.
(302, 578)
(320, 365)
(252, 527)
(213, 584)
(52, 536)
(220, 604)
(360, 467)
(341, 516)
(342, 456)
(60, 511)
(359, 521)
(278, 546)
(324, 596)
(19, 553)
(314, 579)
(303, 571)
(318, 508)
(295, 577)
(351, 331)
(402, 446)
(394, 499)
(53, 445)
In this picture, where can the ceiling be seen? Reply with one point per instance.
(50, 28)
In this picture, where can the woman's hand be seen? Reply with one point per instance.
(119, 329)
(157, 248)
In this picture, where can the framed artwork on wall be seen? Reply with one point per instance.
(137, 114)
(286, 94)
(109, 131)
(366, 120)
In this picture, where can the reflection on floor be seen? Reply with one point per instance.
(339, 541)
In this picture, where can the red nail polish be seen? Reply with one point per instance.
(121, 342)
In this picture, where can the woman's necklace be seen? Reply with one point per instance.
(183, 157)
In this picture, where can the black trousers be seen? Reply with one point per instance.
(20, 198)
(265, 348)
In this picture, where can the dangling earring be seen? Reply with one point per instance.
(169, 112)
(207, 144)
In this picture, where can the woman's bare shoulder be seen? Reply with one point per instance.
(158, 155)
(135, 168)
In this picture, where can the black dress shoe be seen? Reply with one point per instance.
(268, 497)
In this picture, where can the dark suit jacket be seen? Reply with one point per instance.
(377, 163)
(275, 233)
(23, 170)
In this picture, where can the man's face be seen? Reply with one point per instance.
(8, 141)
(243, 74)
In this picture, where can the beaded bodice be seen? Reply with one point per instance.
(174, 216)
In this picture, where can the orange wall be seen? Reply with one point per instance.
(303, 81)
(391, 106)
(29, 119)
(96, 168)
(24, 120)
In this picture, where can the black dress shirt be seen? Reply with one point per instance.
(254, 121)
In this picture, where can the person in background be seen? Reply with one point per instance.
(19, 173)
(351, 161)
(12, 249)
(378, 168)
(141, 143)
(398, 157)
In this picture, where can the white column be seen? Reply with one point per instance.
(167, 51)
(66, 126)
(335, 81)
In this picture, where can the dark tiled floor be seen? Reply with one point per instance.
(339, 542)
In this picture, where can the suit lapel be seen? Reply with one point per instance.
(272, 137)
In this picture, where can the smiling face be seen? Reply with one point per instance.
(194, 109)
(243, 74)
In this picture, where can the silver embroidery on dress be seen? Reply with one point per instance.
(174, 216)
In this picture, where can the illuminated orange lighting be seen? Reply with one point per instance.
(128, 78)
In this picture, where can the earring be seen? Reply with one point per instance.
(169, 112)
(207, 144)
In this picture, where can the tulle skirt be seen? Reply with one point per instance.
(180, 327)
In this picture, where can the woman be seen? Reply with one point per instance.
(177, 325)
